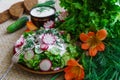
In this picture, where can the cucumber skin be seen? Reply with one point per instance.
(17, 25)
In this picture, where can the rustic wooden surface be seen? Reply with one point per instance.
(7, 41)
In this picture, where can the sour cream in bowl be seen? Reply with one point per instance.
(40, 15)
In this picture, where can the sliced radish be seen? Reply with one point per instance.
(49, 24)
(15, 49)
(19, 42)
(44, 46)
(62, 16)
(48, 38)
(45, 65)
(29, 55)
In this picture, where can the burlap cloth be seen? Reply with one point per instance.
(7, 41)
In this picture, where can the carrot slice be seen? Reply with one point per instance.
(31, 26)
(27, 30)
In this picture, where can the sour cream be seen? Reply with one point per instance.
(42, 11)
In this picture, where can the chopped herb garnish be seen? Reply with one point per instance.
(41, 9)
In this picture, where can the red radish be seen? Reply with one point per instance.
(49, 24)
(19, 42)
(48, 38)
(15, 49)
(62, 16)
(45, 65)
(29, 55)
(44, 46)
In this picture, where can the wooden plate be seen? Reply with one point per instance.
(39, 72)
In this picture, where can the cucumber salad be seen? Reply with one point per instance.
(46, 49)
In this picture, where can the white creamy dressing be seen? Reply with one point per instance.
(43, 13)
(62, 46)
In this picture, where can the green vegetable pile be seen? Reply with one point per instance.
(93, 15)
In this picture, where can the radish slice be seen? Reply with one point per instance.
(19, 42)
(45, 65)
(49, 24)
(29, 55)
(62, 16)
(48, 38)
(16, 50)
(44, 46)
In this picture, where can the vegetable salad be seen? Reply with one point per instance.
(45, 49)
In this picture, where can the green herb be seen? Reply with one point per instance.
(29, 44)
(56, 75)
(21, 58)
(26, 34)
(91, 15)
(55, 59)
(41, 9)
(47, 3)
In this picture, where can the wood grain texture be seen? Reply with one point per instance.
(29, 4)
(4, 16)
(16, 10)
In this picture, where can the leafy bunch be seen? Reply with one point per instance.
(91, 15)
(105, 65)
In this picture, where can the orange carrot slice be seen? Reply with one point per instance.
(27, 30)
(31, 26)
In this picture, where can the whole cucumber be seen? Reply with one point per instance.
(18, 24)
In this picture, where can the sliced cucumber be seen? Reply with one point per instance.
(29, 55)
(55, 50)
(65, 58)
(28, 65)
(37, 49)
(62, 63)
(36, 57)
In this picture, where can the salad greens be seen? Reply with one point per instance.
(56, 59)
(33, 54)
